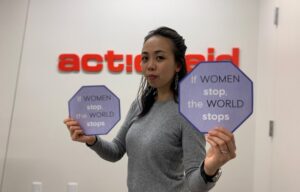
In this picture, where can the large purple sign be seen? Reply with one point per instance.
(96, 109)
(216, 94)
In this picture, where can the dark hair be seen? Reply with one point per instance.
(146, 93)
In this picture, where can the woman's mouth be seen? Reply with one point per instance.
(152, 77)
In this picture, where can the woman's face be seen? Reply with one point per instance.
(158, 62)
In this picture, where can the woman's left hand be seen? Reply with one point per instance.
(221, 151)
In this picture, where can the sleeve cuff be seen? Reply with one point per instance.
(90, 145)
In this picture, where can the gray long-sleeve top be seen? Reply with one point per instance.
(164, 150)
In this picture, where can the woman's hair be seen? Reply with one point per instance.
(146, 93)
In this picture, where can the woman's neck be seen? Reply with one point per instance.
(164, 95)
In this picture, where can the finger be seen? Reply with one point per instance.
(67, 119)
(231, 142)
(211, 142)
(76, 135)
(226, 136)
(223, 130)
(214, 145)
(74, 128)
(72, 123)
(224, 148)
(221, 144)
(227, 132)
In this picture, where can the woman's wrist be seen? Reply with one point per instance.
(91, 141)
(207, 177)
(209, 171)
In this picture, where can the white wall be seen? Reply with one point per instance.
(40, 147)
(12, 20)
(286, 141)
(277, 159)
(265, 109)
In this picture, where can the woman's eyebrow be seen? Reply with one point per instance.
(159, 51)
(155, 52)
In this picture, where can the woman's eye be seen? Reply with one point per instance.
(160, 58)
(144, 59)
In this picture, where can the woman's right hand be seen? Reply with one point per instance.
(76, 132)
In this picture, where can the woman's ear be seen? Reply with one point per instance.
(178, 68)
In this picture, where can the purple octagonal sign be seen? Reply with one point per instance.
(216, 94)
(96, 109)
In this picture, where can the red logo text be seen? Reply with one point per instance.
(117, 63)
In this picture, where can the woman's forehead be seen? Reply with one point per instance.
(157, 44)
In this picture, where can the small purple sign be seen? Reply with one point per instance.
(216, 94)
(96, 109)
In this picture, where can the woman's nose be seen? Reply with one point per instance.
(151, 65)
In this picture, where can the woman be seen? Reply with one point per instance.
(165, 153)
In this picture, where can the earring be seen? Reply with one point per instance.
(154, 91)
(149, 89)
(176, 82)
